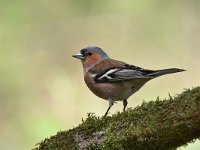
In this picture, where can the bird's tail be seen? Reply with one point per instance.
(158, 73)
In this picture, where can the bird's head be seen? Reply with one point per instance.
(91, 56)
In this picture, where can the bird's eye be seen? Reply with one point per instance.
(90, 54)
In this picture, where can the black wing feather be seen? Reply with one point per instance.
(127, 72)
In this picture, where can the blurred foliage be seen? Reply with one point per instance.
(41, 85)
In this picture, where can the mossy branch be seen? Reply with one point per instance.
(160, 124)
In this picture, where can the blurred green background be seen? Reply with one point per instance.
(41, 86)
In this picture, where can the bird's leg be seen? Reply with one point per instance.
(125, 102)
(110, 105)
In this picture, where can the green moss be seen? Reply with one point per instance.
(160, 124)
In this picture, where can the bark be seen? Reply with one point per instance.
(160, 124)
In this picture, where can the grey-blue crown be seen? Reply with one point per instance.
(98, 50)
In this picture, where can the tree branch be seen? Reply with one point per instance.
(160, 124)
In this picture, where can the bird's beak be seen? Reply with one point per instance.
(79, 56)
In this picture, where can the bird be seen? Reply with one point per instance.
(114, 80)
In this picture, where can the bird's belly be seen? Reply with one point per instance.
(114, 91)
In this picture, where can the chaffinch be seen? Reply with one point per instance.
(114, 80)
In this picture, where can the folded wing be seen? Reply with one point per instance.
(122, 74)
